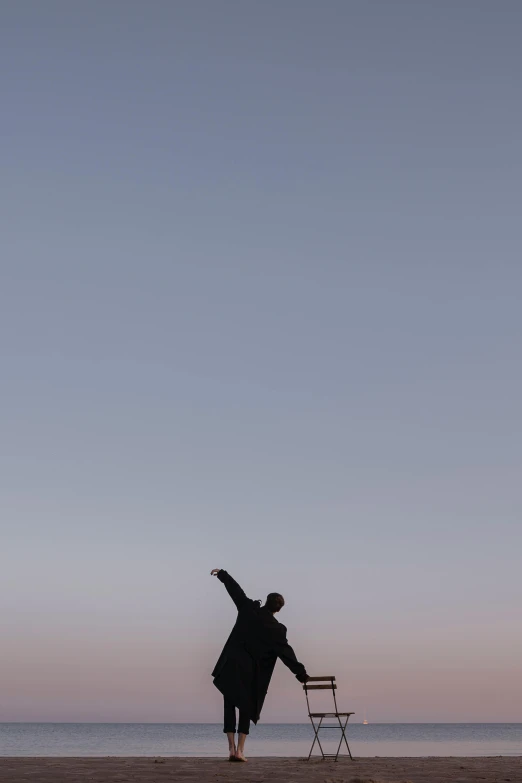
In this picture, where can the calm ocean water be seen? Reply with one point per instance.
(204, 739)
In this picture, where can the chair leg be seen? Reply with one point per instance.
(343, 737)
(316, 738)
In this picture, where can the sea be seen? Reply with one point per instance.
(268, 739)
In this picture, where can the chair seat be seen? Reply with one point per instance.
(329, 714)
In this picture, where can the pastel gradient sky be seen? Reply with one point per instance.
(260, 309)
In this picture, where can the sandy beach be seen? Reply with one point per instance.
(261, 770)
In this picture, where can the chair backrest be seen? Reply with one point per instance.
(327, 683)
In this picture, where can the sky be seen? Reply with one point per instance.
(260, 309)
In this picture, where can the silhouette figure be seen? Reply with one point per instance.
(244, 669)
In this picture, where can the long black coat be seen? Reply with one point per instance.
(244, 669)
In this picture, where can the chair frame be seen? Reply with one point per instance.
(342, 724)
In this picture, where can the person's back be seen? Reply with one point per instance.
(245, 666)
(257, 628)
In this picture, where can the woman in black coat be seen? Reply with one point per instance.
(245, 666)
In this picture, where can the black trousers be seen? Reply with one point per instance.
(230, 719)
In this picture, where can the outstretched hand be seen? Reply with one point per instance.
(215, 571)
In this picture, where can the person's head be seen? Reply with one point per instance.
(274, 602)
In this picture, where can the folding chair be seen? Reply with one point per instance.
(320, 716)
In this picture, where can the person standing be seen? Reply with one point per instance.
(244, 668)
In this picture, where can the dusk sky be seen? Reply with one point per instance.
(260, 309)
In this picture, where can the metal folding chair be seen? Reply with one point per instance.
(317, 718)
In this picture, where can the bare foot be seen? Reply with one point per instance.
(240, 757)
(231, 737)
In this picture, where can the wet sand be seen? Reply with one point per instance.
(497, 769)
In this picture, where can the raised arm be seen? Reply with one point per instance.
(288, 656)
(236, 593)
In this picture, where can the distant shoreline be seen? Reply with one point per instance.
(264, 723)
